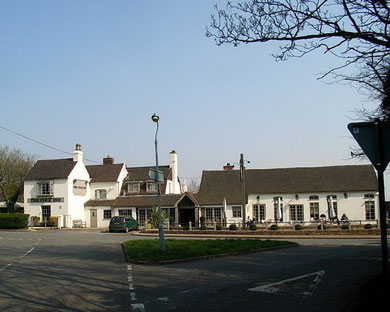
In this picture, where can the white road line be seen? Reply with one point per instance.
(8, 265)
(132, 296)
(32, 248)
(137, 307)
(272, 290)
(129, 278)
(129, 267)
(131, 286)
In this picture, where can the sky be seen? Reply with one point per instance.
(94, 72)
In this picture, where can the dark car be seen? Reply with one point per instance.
(123, 223)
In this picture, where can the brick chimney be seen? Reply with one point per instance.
(108, 160)
(228, 167)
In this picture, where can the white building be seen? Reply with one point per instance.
(290, 194)
(58, 187)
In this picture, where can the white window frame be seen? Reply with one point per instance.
(236, 212)
(134, 187)
(369, 208)
(44, 188)
(99, 192)
(315, 210)
(107, 214)
(151, 187)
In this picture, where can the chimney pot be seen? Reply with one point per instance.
(228, 167)
(108, 160)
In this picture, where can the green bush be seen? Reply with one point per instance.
(202, 220)
(52, 222)
(298, 227)
(218, 227)
(345, 227)
(319, 227)
(232, 227)
(253, 227)
(274, 227)
(13, 220)
(368, 226)
(203, 227)
(186, 227)
(171, 220)
(35, 221)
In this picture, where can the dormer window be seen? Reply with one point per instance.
(45, 189)
(369, 195)
(133, 187)
(313, 197)
(100, 194)
(151, 187)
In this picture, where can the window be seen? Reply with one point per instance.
(125, 212)
(370, 210)
(236, 211)
(296, 212)
(133, 187)
(100, 194)
(151, 187)
(259, 212)
(369, 195)
(314, 211)
(214, 214)
(45, 189)
(313, 197)
(107, 214)
(46, 212)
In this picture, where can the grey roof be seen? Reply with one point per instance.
(167, 200)
(104, 173)
(51, 169)
(217, 185)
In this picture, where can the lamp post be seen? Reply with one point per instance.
(243, 182)
(155, 119)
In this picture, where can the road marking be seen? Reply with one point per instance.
(32, 248)
(129, 278)
(132, 296)
(8, 265)
(129, 267)
(271, 289)
(137, 307)
(163, 299)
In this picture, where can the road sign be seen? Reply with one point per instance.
(155, 175)
(366, 134)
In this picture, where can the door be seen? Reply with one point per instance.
(93, 214)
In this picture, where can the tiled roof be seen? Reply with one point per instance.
(217, 185)
(51, 169)
(99, 203)
(148, 201)
(104, 173)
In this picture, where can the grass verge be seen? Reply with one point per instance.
(180, 249)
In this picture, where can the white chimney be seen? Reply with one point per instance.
(173, 166)
(77, 153)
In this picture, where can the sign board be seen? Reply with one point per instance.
(46, 200)
(365, 133)
(155, 175)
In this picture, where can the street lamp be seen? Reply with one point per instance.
(243, 186)
(155, 119)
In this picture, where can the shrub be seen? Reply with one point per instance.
(203, 227)
(186, 227)
(171, 220)
(319, 227)
(13, 220)
(202, 220)
(52, 222)
(232, 227)
(218, 227)
(368, 226)
(253, 227)
(322, 216)
(274, 227)
(345, 227)
(35, 221)
(298, 227)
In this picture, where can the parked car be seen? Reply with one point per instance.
(123, 223)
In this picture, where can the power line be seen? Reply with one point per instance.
(44, 144)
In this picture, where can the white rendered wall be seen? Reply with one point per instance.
(353, 206)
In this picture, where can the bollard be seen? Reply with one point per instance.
(190, 226)
(214, 225)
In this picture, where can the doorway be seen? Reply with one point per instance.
(93, 213)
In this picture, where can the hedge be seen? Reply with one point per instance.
(13, 220)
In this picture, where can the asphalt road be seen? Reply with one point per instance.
(85, 271)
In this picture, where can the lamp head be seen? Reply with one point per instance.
(155, 117)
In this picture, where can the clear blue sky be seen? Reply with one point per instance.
(94, 72)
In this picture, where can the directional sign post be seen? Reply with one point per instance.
(156, 176)
(374, 139)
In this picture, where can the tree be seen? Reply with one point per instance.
(193, 186)
(154, 218)
(357, 32)
(14, 165)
